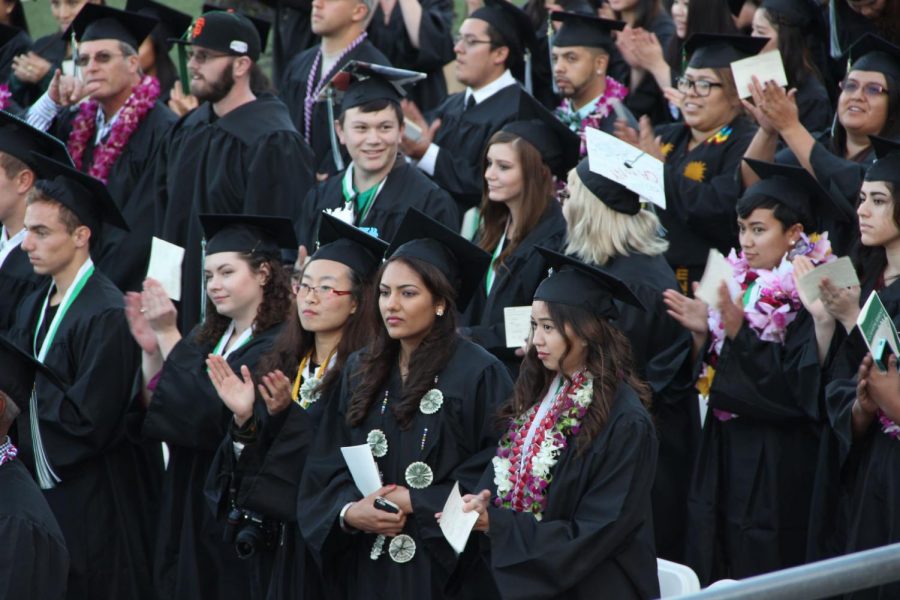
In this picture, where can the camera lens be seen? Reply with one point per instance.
(248, 541)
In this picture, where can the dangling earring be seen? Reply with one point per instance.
(440, 312)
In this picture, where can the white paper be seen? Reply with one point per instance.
(840, 272)
(517, 321)
(362, 467)
(165, 266)
(766, 66)
(620, 161)
(717, 270)
(456, 525)
(875, 323)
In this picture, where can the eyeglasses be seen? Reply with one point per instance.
(469, 41)
(101, 58)
(320, 291)
(701, 87)
(202, 56)
(870, 90)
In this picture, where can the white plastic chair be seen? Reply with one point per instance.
(675, 579)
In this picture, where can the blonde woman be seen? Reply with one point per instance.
(607, 227)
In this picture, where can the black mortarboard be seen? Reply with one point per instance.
(511, 22)
(719, 50)
(464, 264)
(224, 31)
(100, 22)
(84, 195)
(349, 245)
(19, 140)
(173, 22)
(887, 163)
(735, 6)
(248, 234)
(612, 193)
(585, 30)
(18, 370)
(873, 53)
(361, 82)
(575, 283)
(262, 26)
(558, 145)
(794, 187)
(794, 13)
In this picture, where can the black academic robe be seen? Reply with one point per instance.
(19, 44)
(814, 105)
(595, 539)
(406, 187)
(122, 255)
(292, 34)
(34, 562)
(457, 442)
(646, 98)
(514, 285)
(662, 349)
(462, 136)
(108, 495)
(52, 48)
(435, 47)
(701, 191)
(251, 161)
(17, 280)
(192, 559)
(293, 92)
(752, 486)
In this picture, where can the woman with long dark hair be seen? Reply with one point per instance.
(154, 50)
(258, 472)
(423, 399)
(568, 491)
(248, 298)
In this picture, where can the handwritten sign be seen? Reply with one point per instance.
(766, 67)
(620, 161)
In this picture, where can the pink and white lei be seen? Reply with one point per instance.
(84, 127)
(5, 95)
(889, 428)
(775, 308)
(604, 107)
(528, 492)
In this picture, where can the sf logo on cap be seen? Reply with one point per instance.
(198, 27)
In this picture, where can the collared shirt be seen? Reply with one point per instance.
(573, 118)
(42, 113)
(7, 451)
(429, 159)
(8, 244)
(104, 126)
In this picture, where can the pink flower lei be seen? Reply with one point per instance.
(132, 114)
(889, 428)
(5, 96)
(614, 91)
(523, 487)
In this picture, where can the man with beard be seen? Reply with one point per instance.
(115, 133)
(236, 153)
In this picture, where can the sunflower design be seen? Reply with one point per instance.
(402, 548)
(418, 475)
(695, 170)
(431, 402)
(666, 148)
(377, 442)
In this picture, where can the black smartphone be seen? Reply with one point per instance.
(386, 505)
(881, 354)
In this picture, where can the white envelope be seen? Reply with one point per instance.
(517, 321)
(362, 467)
(165, 266)
(717, 270)
(840, 272)
(766, 66)
(456, 525)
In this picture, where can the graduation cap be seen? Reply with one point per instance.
(18, 370)
(173, 22)
(247, 234)
(612, 193)
(515, 27)
(585, 30)
(735, 6)
(224, 31)
(719, 50)
(84, 195)
(262, 26)
(361, 82)
(421, 237)
(794, 187)
(887, 163)
(348, 245)
(575, 283)
(100, 22)
(19, 140)
(874, 53)
(794, 13)
(558, 145)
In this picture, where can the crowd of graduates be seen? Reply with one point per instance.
(219, 282)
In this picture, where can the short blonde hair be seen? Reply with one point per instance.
(596, 233)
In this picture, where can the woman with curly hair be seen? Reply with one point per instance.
(248, 298)
(568, 490)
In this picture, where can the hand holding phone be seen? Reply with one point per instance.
(386, 505)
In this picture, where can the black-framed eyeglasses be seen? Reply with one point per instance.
(701, 87)
(101, 58)
(202, 56)
(469, 41)
(870, 90)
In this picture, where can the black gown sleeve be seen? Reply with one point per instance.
(33, 563)
(279, 172)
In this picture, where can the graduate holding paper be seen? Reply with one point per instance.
(567, 505)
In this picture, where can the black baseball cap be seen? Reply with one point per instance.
(224, 31)
(262, 25)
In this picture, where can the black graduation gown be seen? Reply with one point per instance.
(34, 562)
(52, 48)
(662, 349)
(646, 98)
(595, 539)
(124, 256)
(192, 559)
(814, 105)
(751, 491)
(701, 191)
(293, 92)
(462, 136)
(251, 161)
(435, 47)
(292, 35)
(106, 501)
(514, 285)
(461, 440)
(19, 44)
(17, 280)
(406, 187)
